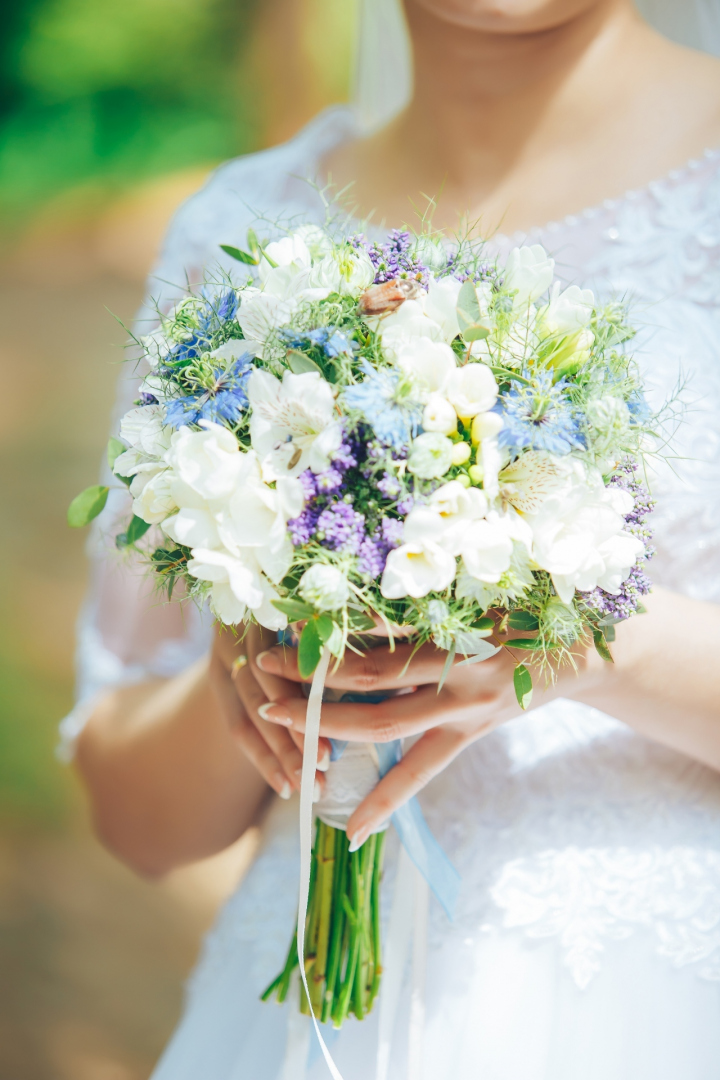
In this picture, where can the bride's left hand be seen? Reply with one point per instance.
(474, 699)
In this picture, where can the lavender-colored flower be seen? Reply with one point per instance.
(389, 486)
(147, 399)
(394, 258)
(375, 549)
(302, 528)
(341, 528)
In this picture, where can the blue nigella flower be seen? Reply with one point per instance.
(539, 417)
(332, 341)
(225, 401)
(393, 423)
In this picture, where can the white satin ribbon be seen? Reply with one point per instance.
(297, 1047)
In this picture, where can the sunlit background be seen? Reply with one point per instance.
(111, 113)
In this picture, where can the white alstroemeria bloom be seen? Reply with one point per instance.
(441, 305)
(153, 497)
(420, 565)
(325, 587)
(429, 364)
(439, 415)
(579, 536)
(488, 545)
(570, 311)
(533, 478)
(293, 424)
(237, 587)
(208, 462)
(148, 437)
(406, 326)
(431, 455)
(471, 389)
(529, 272)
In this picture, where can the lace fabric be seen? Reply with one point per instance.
(590, 856)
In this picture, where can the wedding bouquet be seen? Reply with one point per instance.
(397, 435)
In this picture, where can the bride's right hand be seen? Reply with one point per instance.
(242, 690)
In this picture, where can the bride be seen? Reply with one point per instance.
(587, 938)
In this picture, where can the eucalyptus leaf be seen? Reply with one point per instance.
(114, 449)
(87, 505)
(324, 624)
(310, 649)
(484, 623)
(480, 654)
(239, 255)
(135, 530)
(335, 641)
(523, 620)
(446, 668)
(601, 646)
(522, 681)
(527, 643)
(295, 610)
(300, 364)
(468, 313)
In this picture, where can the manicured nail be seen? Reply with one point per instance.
(324, 762)
(278, 717)
(285, 791)
(357, 841)
(262, 661)
(316, 792)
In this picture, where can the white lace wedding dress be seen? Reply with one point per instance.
(586, 945)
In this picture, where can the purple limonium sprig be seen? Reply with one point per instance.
(375, 549)
(637, 584)
(394, 258)
(341, 528)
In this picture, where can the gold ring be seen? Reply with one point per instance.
(238, 664)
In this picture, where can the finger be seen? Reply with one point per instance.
(395, 718)
(428, 757)
(376, 669)
(244, 731)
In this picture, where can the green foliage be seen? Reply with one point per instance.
(522, 681)
(310, 649)
(523, 620)
(135, 531)
(601, 646)
(114, 449)
(87, 505)
(468, 313)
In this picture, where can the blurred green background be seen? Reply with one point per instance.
(111, 113)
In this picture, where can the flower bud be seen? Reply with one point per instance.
(460, 453)
(439, 415)
(486, 425)
(325, 587)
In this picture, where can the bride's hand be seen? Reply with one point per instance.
(474, 699)
(242, 691)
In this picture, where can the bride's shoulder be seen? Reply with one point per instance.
(268, 185)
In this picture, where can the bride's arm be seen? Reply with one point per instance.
(665, 683)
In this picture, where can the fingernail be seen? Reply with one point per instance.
(357, 841)
(279, 717)
(285, 791)
(316, 792)
(262, 658)
(324, 762)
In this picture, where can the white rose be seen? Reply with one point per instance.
(439, 415)
(441, 305)
(153, 501)
(579, 537)
(570, 311)
(472, 389)
(529, 272)
(208, 461)
(428, 363)
(324, 587)
(356, 270)
(156, 347)
(293, 425)
(431, 455)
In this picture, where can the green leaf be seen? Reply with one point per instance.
(254, 244)
(523, 620)
(484, 624)
(135, 530)
(295, 610)
(310, 649)
(522, 681)
(299, 363)
(359, 621)
(241, 256)
(87, 505)
(468, 313)
(325, 626)
(601, 646)
(527, 643)
(446, 669)
(503, 374)
(114, 449)
(481, 654)
(609, 633)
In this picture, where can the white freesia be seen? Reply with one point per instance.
(237, 587)
(457, 508)
(144, 429)
(153, 495)
(421, 564)
(289, 251)
(208, 462)
(489, 545)
(529, 273)
(431, 455)
(429, 364)
(439, 415)
(570, 311)
(441, 305)
(406, 326)
(579, 536)
(471, 389)
(324, 587)
(293, 424)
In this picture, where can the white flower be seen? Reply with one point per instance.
(439, 415)
(290, 251)
(356, 270)
(208, 462)
(430, 253)
(428, 363)
(420, 565)
(230, 350)
(237, 586)
(431, 455)
(156, 346)
(405, 326)
(441, 305)
(528, 272)
(570, 311)
(149, 438)
(194, 527)
(532, 479)
(153, 496)
(488, 545)
(579, 536)
(457, 507)
(471, 389)
(325, 587)
(316, 239)
(293, 424)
